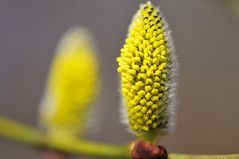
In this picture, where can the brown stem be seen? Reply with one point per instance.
(50, 154)
(143, 150)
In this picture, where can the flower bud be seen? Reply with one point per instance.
(72, 85)
(147, 66)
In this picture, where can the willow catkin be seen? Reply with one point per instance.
(72, 84)
(147, 66)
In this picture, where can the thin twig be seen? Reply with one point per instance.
(22, 133)
(25, 134)
(49, 154)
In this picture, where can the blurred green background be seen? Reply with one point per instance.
(206, 36)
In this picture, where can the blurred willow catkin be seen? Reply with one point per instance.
(147, 66)
(72, 85)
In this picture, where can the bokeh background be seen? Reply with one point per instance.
(206, 36)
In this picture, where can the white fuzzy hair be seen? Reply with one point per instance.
(172, 102)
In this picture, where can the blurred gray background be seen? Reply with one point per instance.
(206, 36)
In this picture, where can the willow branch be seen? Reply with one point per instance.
(193, 156)
(30, 136)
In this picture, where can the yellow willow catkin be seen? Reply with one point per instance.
(147, 66)
(72, 85)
